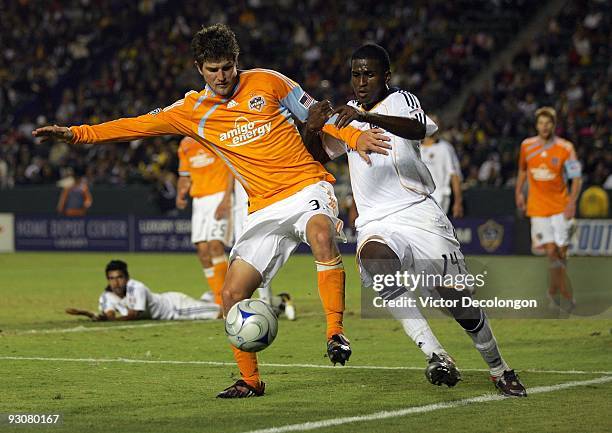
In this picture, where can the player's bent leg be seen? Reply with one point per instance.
(219, 264)
(554, 264)
(377, 258)
(565, 287)
(241, 281)
(321, 237)
(475, 323)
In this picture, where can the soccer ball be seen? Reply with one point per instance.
(251, 325)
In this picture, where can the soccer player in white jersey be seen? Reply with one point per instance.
(400, 227)
(129, 299)
(440, 158)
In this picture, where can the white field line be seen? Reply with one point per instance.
(485, 398)
(270, 364)
(87, 329)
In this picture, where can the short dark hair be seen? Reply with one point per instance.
(117, 265)
(214, 43)
(373, 51)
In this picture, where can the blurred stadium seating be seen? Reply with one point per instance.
(87, 61)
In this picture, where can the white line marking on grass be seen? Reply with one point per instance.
(485, 398)
(271, 364)
(87, 328)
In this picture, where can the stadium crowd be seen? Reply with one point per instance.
(85, 61)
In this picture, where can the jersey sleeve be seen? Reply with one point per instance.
(522, 158)
(572, 166)
(183, 159)
(290, 95)
(332, 146)
(137, 296)
(173, 119)
(348, 134)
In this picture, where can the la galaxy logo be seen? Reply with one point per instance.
(257, 102)
(491, 235)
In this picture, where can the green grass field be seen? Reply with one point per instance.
(161, 377)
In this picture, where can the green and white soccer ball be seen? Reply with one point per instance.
(251, 325)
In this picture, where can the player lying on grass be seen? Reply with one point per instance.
(400, 226)
(127, 299)
(245, 117)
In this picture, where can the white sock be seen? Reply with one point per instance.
(417, 327)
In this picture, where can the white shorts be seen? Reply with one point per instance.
(204, 226)
(274, 232)
(186, 308)
(553, 229)
(240, 210)
(444, 202)
(421, 236)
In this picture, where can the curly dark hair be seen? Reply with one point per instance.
(117, 265)
(214, 43)
(375, 52)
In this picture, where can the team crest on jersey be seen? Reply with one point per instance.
(491, 235)
(256, 103)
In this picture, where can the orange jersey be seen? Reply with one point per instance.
(252, 131)
(207, 171)
(546, 166)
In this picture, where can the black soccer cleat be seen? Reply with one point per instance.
(338, 349)
(241, 389)
(442, 370)
(509, 384)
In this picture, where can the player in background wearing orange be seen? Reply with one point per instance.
(545, 162)
(75, 199)
(205, 177)
(245, 117)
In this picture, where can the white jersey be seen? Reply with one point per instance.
(168, 305)
(108, 301)
(140, 298)
(393, 182)
(442, 162)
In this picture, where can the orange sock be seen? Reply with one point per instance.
(216, 276)
(247, 364)
(331, 277)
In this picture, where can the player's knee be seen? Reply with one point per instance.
(378, 258)
(216, 249)
(203, 251)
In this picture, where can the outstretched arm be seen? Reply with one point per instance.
(170, 120)
(405, 127)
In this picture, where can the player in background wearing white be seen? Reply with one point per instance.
(440, 158)
(127, 299)
(208, 181)
(400, 227)
(282, 302)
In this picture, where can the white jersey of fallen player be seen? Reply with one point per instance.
(108, 301)
(442, 162)
(168, 305)
(393, 182)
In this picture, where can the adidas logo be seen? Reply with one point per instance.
(231, 104)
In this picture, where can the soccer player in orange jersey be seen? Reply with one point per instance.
(245, 118)
(545, 162)
(209, 182)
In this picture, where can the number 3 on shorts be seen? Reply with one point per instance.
(315, 204)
